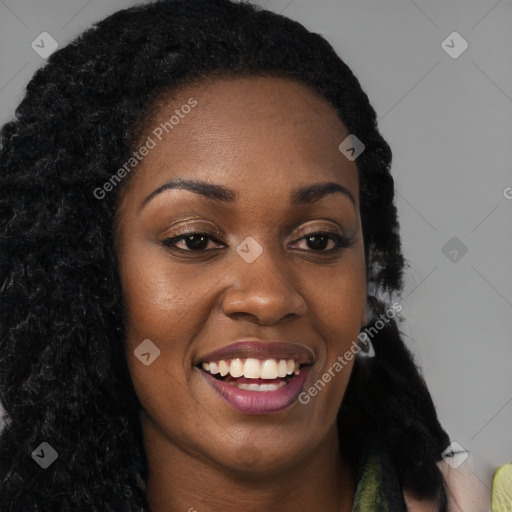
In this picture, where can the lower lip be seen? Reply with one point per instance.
(259, 402)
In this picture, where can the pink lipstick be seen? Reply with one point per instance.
(257, 377)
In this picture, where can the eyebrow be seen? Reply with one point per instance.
(299, 196)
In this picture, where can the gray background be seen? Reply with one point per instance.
(449, 123)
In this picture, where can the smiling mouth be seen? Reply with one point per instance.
(251, 374)
(256, 376)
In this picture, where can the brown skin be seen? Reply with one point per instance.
(260, 137)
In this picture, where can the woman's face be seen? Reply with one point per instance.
(256, 271)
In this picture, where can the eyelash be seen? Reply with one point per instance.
(341, 242)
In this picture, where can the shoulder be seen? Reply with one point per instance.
(466, 492)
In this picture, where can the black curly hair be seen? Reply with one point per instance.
(63, 373)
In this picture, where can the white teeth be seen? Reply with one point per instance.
(223, 368)
(269, 369)
(236, 368)
(252, 368)
(281, 368)
(260, 387)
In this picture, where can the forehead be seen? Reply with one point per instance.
(243, 129)
(243, 106)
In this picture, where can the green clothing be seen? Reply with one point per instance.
(377, 488)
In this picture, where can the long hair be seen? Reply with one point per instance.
(63, 374)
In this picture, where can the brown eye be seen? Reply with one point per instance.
(193, 241)
(319, 240)
(198, 241)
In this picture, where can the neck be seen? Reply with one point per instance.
(178, 481)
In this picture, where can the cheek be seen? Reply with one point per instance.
(338, 297)
(339, 309)
(160, 296)
(159, 301)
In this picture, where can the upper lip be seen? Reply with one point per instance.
(261, 349)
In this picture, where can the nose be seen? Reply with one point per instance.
(264, 291)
